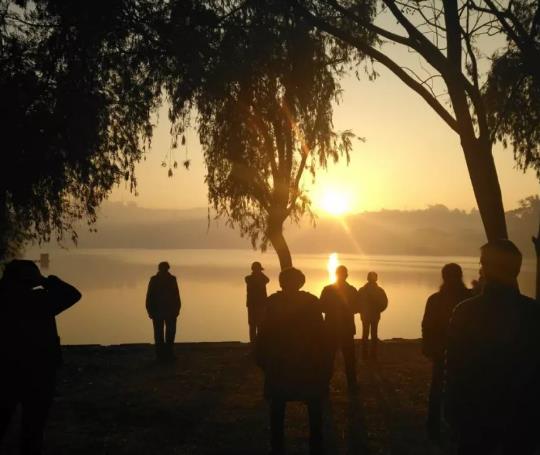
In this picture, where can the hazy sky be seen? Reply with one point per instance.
(410, 159)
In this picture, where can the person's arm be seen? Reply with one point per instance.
(355, 296)
(325, 300)
(150, 298)
(177, 298)
(383, 304)
(60, 295)
(455, 371)
(361, 301)
(427, 329)
(262, 342)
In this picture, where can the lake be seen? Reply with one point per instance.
(113, 283)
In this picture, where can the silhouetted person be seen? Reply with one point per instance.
(493, 357)
(439, 308)
(372, 301)
(30, 347)
(339, 302)
(163, 306)
(292, 351)
(256, 298)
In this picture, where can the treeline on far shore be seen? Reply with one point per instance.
(435, 230)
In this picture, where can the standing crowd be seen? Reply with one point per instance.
(484, 345)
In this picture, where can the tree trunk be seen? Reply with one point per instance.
(279, 243)
(536, 242)
(487, 191)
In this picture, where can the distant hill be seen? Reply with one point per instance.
(435, 230)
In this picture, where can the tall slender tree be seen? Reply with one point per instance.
(265, 119)
(445, 36)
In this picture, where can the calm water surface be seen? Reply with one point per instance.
(113, 283)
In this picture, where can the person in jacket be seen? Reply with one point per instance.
(492, 398)
(255, 298)
(372, 301)
(30, 347)
(293, 353)
(163, 306)
(339, 302)
(439, 308)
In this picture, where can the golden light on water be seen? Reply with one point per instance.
(335, 202)
(333, 262)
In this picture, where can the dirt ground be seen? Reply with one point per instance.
(117, 400)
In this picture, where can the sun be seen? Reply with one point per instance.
(336, 203)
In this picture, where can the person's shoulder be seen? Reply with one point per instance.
(350, 287)
(434, 298)
(468, 308)
(275, 297)
(327, 288)
(308, 297)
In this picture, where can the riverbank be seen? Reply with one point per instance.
(117, 400)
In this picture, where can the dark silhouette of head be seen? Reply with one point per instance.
(256, 267)
(291, 279)
(372, 277)
(163, 267)
(501, 262)
(452, 276)
(341, 273)
(23, 273)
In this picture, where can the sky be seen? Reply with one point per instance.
(410, 158)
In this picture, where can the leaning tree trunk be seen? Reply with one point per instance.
(275, 234)
(536, 241)
(485, 182)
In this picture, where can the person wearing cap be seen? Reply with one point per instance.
(255, 298)
(492, 393)
(292, 351)
(163, 306)
(372, 302)
(30, 347)
(339, 302)
(435, 323)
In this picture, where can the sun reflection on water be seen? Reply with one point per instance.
(333, 262)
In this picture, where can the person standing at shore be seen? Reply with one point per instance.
(492, 396)
(339, 302)
(163, 306)
(372, 302)
(292, 351)
(30, 347)
(439, 308)
(255, 298)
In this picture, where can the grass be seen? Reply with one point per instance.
(117, 400)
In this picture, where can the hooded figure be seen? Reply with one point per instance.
(493, 361)
(439, 308)
(293, 352)
(30, 346)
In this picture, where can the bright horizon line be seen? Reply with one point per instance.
(318, 211)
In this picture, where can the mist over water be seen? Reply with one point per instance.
(113, 283)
